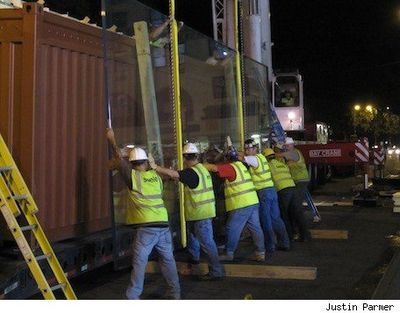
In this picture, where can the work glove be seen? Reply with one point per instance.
(152, 163)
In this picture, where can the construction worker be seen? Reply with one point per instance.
(289, 202)
(270, 217)
(149, 217)
(298, 169)
(297, 166)
(159, 36)
(199, 209)
(241, 204)
(287, 100)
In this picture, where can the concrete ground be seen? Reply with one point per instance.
(346, 269)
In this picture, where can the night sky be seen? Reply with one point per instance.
(347, 50)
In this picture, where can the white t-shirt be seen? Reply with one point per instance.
(251, 160)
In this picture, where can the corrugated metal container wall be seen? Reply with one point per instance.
(51, 100)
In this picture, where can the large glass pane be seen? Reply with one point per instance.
(208, 90)
(256, 99)
(140, 102)
(209, 102)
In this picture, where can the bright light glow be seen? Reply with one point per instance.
(369, 108)
(291, 115)
(386, 142)
(376, 147)
(397, 151)
(225, 53)
(357, 107)
(394, 147)
(387, 108)
(390, 151)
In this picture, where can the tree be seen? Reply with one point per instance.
(376, 123)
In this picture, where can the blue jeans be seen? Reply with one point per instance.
(271, 221)
(237, 220)
(147, 238)
(201, 236)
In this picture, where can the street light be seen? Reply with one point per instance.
(356, 109)
(369, 108)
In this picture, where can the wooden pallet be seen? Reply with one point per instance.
(247, 271)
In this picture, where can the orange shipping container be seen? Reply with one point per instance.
(53, 119)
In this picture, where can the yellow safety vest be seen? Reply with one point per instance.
(200, 201)
(298, 169)
(280, 175)
(241, 192)
(147, 205)
(261, 175)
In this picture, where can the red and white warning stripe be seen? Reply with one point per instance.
(361, 151)
(379, 156)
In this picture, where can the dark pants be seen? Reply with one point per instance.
(292, 213)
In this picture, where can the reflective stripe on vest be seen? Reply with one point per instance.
(261, 175)
(147, 205)
(280, 175)
(200, 201)
(241, 192)
(298, 169)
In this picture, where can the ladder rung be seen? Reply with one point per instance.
(42, 257)
(59, 286)
(5, 168)
(20, 197)
(30, 227)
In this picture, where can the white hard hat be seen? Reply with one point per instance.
(289, 141)
(137, 154)
(190, 148)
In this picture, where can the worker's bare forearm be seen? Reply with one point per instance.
(167, 172)
(211, 167)
(113, 143)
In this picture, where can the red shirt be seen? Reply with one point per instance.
(226, 171)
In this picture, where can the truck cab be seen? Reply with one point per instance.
(287, 100)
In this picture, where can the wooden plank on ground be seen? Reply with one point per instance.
(248, 271)
(329, 234)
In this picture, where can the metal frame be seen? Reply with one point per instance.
(176, 98)
(219, 20)
(238, 63)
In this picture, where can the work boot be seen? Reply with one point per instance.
(259, 256)
(282, 248)
(209, 277)
(316, 219)
(305, 237)
(226, 257)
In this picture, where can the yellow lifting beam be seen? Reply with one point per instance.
(176, 98)
(238, 64)
(16, 199)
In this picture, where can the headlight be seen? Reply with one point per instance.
(390, 151)
(397, 151)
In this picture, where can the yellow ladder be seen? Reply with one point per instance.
(15, 199)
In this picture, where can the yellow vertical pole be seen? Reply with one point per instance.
(177, 105)
(238, 73)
